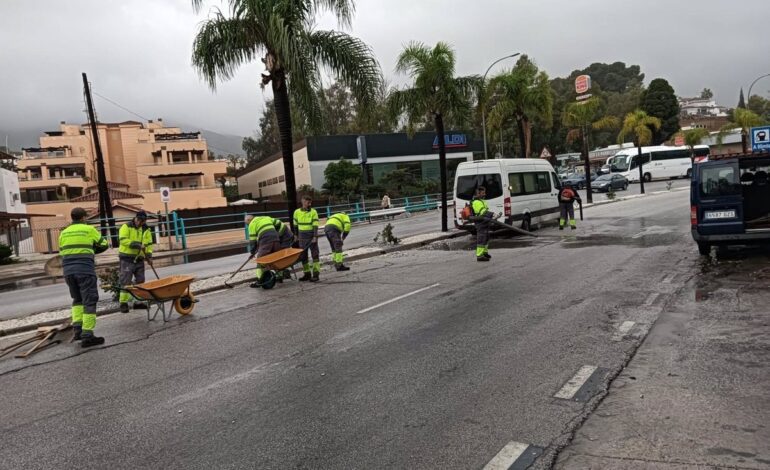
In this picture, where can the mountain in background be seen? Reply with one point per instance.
(221, 144)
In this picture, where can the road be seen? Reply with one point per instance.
(418, 359)
(48, 297)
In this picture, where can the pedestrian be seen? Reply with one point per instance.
(567, 197)
(285, 240)
(306, 223)
(337, 230)
(135, 239)
(263, 240)
(385, 204)
(483, 219)
(78, 243)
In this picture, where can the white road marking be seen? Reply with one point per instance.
(507, 456)
(651, 299)
(669, 278)
(623, 330)
(573, 385)
(398, 298)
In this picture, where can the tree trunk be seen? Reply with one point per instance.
(527, 138)
(522, 138)
(283, 116)
(641, 173)
(744, 141)
(589, 193)
(442, 169)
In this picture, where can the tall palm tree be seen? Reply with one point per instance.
(581, 118)
(280, 33)
(523, 94)
(693, 137)
(744, 120)
(639, 126)
(436, 93)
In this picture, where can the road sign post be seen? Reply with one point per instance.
(165, 198)
(760, 139)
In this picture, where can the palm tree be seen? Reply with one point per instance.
(436, 93)
(744, 120)
(639, 126)
(581, 119)
(280, 33)
(523, 94)
(693, 137)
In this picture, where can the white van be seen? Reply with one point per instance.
(525, 190)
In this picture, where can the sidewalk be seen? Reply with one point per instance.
(697, 393)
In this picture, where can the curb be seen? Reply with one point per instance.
(363, 256)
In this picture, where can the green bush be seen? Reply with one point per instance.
(5, 254)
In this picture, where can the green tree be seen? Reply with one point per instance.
(741, 101)
(582, 119)
(640, 127)
(693, 137)
(706, 94)
(744, 120)
(759, 106)
(524, 95)
(343, 179)
(437, 93)
(660, 101)
(281, 33)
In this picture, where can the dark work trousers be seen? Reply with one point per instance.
(287, 238)
(83, 291)
(305, 244)
(131, 273)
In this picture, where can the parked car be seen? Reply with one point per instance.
(577, 180)
(605, 182)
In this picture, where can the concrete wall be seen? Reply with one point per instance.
(250, 182)
(10, 197)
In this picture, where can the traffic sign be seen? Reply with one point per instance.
(760, 139)
(679, 140)
(545, 153)
(165, 194)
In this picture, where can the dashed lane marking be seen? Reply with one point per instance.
(669, 278)
(395, 299)
(623, 330)
(651, 299)
(514, 456)
(573, 385)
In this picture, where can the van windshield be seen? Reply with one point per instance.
(620, 163)
(467, 184)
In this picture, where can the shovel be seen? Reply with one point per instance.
(237, 271)
(148, 262)
(580, 203)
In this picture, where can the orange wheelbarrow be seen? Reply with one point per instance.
(157, 293)
(275, 263)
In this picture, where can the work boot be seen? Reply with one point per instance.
(77, 332)
(561, 227)
(90, 340)
(482, 258)
(305, 277)
(487, 256)
(316, 277)
(573, 227)
(140, 306)
(123, 307)
(342, 267)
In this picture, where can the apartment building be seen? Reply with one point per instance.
(139, 157)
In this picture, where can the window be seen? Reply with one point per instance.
(556, 182)
(466, 185)
(529, 183)
(720, 181)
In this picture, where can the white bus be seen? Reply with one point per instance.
(659, 162)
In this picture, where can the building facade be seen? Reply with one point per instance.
(385, 153)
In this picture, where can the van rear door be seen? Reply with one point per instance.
(471, 176)
(717, 199)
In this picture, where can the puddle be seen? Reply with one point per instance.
(640, 240)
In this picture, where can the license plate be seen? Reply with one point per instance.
(711, 215)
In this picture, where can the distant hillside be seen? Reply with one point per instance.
(218, 143)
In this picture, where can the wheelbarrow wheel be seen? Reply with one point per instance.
(184, 305)
(268, 280)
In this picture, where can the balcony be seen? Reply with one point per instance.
(25, 163)
(36, 183)
(207, 167)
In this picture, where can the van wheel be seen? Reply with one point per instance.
(689, 174)
(704, 249)
(647, 177)
(625, 187)
(526, 223)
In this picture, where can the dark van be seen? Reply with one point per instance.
(730, 201)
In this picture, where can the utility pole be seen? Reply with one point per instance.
(105, 206)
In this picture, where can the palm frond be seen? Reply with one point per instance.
(607, 122)
(343, 10)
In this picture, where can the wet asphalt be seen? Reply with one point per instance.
(418, 359)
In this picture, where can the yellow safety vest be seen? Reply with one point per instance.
(259, 226)
(479, 207)
(306, 220)
(132, 238)
(81, 240)
(340, 221)
(279, 226)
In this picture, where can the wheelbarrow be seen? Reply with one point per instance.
(174, 289)
(276, 262)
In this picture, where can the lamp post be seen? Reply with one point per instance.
(483, 104)
(748, 98)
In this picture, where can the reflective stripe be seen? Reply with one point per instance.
(78, 255)
(340, 221)
(68, 247)
(259, 226)
(306, 220)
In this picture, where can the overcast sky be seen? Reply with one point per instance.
(137, 52)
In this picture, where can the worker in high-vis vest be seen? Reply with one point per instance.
(135, 246)
(78, 243)
(285, 235)
(263, 240)
(337, 230)
(483, 219)
(306, 223)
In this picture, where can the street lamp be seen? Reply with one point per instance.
(484, 106)
(752, 85)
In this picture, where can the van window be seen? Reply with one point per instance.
(556, 183)
(719, 181)
(467, 184)
(529, 183)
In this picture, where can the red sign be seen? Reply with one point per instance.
(679, 140)
(582, 84)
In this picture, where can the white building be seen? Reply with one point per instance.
(701, 107)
